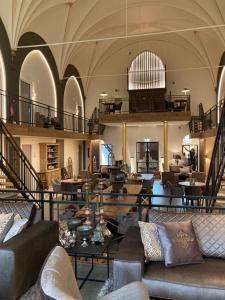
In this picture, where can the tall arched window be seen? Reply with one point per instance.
(146, 72)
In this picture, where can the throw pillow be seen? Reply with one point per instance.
(6, 221)
(16, 228)
(179, 243)
(57, 279)
(151, 241)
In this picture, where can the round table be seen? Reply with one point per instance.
(188, 183)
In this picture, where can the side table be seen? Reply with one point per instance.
(92, 251)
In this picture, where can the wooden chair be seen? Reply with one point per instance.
(192, 191)
(175, 190)
(168, 176)
(198, 176)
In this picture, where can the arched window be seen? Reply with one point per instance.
(146, 72)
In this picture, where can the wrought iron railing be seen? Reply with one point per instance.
(172, 103)
(206, 121)
(15, 165)
(217, 163)
(21, 110)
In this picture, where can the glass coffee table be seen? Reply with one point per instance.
(91, 251)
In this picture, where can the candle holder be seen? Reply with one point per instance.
(101, 231)
(87, 211)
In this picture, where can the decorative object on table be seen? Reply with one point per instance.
(101, 231)
(87, 206)
(66, 238)
(73, 223)
(117, 178)
(85, 232)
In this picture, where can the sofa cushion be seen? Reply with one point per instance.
(179, 243)
(24, 209)
(16, 228)
(151, 242)
(6, 221)
(189, 282)
(57, 278)
(209, 229)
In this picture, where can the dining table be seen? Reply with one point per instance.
(111, 212)
(188, 183)
(73, 181)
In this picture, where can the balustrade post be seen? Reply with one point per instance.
(73, 122)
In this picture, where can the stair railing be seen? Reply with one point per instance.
(217, 164)
(16, 165)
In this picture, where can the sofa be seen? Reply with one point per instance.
(22, 255)
(205, 281)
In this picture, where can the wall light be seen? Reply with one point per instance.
(103, 94)
(185, 91)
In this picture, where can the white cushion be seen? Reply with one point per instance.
(16, 228)
(151, 242)
(57, 277)
(6, 221)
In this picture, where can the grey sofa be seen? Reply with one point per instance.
(22, 256)
(188, 282)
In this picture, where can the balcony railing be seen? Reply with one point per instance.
(171, 103)
(25, 111)
(208, 120)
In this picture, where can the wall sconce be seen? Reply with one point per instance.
(103, 95)
(185, 91)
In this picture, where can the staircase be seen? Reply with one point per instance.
(15, 165)
(217, 164)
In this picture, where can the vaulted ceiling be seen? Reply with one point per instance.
(101, 28)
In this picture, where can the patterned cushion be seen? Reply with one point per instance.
(209, 229)
(6, 221)
(24, 209)
(179, 243)
(16, 228)
(151, 241)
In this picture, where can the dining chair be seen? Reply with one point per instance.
(66, 188)
(192, 191)
(147, 185)
(175, 190)
(168, 176)
(198, 176)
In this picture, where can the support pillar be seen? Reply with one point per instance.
(165, 127)
(124, 142)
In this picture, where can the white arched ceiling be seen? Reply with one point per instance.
(3, 88)
(36, 71)
(73, 97)
(101, 19)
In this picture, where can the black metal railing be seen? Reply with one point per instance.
(21, 110)
(206, 121)
(171, 103)
(217, 163)
(15, 165)
(52, 204)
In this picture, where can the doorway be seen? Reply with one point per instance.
(25, 103)
(147, 157)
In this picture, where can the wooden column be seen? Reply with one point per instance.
(165, 127)
(124, 141)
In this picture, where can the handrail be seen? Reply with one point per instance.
(217, 163)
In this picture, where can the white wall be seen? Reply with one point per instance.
(35, 149)
(36, 71)
(72, 96)
(71, 149)
(113, 135)
(179, 61)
